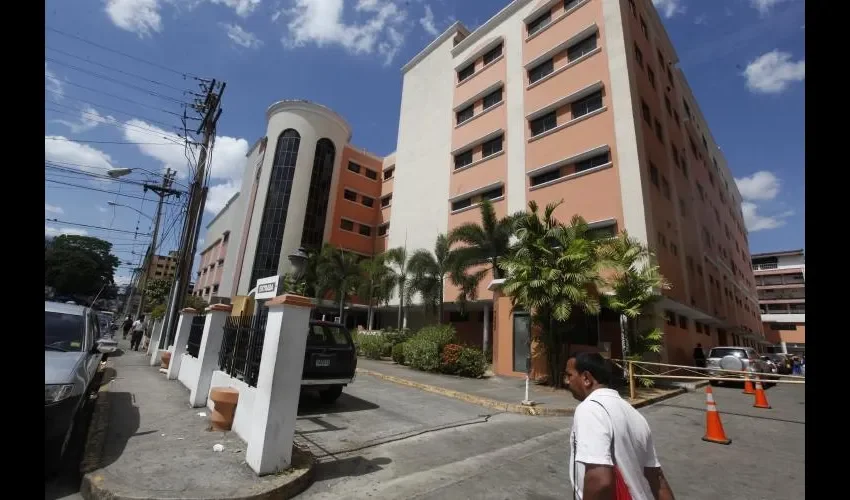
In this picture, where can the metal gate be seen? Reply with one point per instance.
(242, 346)
(196, 334)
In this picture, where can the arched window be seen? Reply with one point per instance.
(267, 255)
(318, 195)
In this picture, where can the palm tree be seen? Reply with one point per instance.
(376, 285)
(484, 243)
(552, 272)
(635, 282)
(338, 271)
(399, 269)
(430, 271)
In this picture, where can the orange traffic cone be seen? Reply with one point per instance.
(748, 385)
(761, 398)
(714, 432)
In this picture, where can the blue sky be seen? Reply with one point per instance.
(744, 60)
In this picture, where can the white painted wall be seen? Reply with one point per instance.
(791, 261)
(783, 318)
(244, 407)
(190, 369)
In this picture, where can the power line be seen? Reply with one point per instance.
(111, 142)
(119, 82)
(124, 99)
(121, 71)
(105, 121)
(101, 228)
(135, 58)
(60, 165)
(100, 190)
(115, 110)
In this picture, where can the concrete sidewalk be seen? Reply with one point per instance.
(495, 392)
(147, 443)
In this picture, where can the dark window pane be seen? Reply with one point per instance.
(544, 123)
(459, 204)
(371, 174)
(464, 114)
(366, 201)
(492, 194)
(385, 201)
(382, 230)
(492, 147)
(546, 177)
(463, 159)
(318, 195)
(569, 4)
(638, 56)
(651, 75)
(493, 54)
(595, 161)
(492, 99)
(273, 221)
(539, 23)
(603, 232)
(365, 230)
(388, 173)
(653, 174)
(465, 72)
(349, 195)
(581, 48)
(644, 109)
(346, 224)
(354, 167)
(587, 105)
(541, 70)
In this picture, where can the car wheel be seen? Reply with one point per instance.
(331, 394)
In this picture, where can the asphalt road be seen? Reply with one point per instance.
(387, 441)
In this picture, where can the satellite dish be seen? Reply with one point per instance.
(731, 363)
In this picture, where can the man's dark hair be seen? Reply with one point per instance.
(595, 364)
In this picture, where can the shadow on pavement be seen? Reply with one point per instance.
(702, 410)
(66, 479)
(310, 404)
(123, 424)
(348, 467)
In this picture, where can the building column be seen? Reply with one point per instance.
(278, 384)
(208, 353)
(153, 348)
(184, 326)
(486, 333)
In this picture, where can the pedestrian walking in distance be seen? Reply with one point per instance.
(612, 454)
(699, 356)
(138, 330)
(128, 323)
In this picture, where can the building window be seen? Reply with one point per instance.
(365, 230)
(643, 28)
(273, 221)
(493, 193)
(632, 7)
(544, 123)
(662, 240)
(367, 201)
(346, 225)
(602, 232)
(638, 56)
(674, 249)
(658, 131)
(493, 54)
(215, 289)
(683, 322)
(354, 167)
(463, 159)
(651, 75)
(644, 110)
(701, 191)
(670, 317)
(595, 161)
(388, 173)
(670, 77)
(667, 105)
(581, 48)
(464, 114)
(587, 105)
(371, 174)
(665, 187)
(492, 99)
(383, 229)
(569, 4)
(465, 73)
(492, 146)
(541, 70)
(711, 179)
(349, 195)
(386, 200)
(318, 194)
(687, 108)
(698, 326)
(546, 177)
(461, 204)
(653, 174)
(539, 23)
(660, 57)
(676, 118)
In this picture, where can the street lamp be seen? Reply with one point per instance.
(113, 204)
(298, 259)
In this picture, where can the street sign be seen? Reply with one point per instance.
(267, 288)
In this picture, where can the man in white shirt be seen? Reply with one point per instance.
(608, 434)
(138, 330)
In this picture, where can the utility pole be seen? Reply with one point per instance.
(162, 191)
(211, 110)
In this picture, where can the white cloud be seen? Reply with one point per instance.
(761, 186)
(218, 196)
(53, 83)
(427, 22)
(757, 222)
(322, 22)
(764, 6)
(137, 16)
(669, 8)
(241, 37)
(53, 209)
(773, 72)
(84, 157)
(102, 210)
(701, 19)
(243, 8)
(89, 119)
(56, 231)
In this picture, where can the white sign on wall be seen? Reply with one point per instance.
(267, 288)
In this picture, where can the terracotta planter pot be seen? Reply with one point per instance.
(166, 359)
(224, 407)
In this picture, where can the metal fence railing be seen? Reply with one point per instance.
(196, 334)
(242, 346)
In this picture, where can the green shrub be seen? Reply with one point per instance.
(422, 354)
(441, 335)
(398, 353)
(386, 349)
(471, 363)
(372, 346)
(396, 337)
(449, 357)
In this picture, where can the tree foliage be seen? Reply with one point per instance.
(79, 265)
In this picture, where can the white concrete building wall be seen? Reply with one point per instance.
(312, 122)
(791, 261)
(190, 370)
(244, 407)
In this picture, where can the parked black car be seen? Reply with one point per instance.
(330, 360)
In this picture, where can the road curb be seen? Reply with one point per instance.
(535, 411)
(96, 436)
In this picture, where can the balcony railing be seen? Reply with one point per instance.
(764, 267)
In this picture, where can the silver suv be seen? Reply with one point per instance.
(741, 359)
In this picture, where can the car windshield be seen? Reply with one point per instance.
(63, 331)
(720, 352)
(327, 335)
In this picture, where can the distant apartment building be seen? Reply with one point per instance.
(576, 100)
(781, 283)
(162, 267)
(211, 267)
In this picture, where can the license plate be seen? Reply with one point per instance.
(323, 362)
